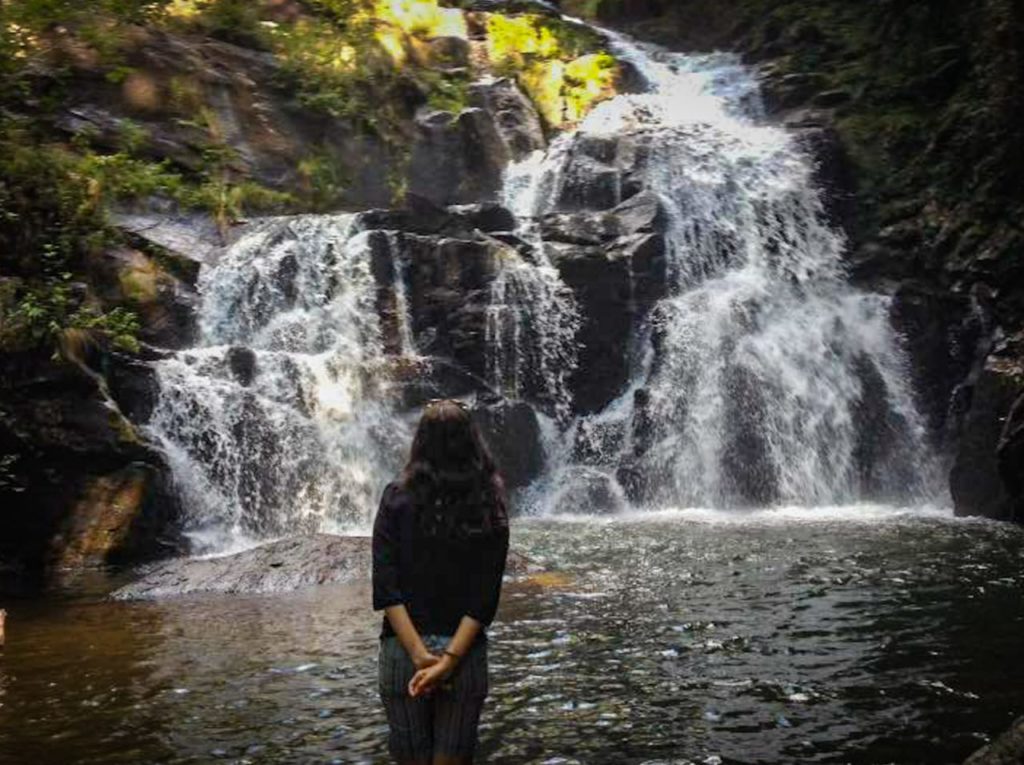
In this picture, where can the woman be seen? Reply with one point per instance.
(439, 545)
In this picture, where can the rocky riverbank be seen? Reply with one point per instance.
(134, 156)
(281, 566)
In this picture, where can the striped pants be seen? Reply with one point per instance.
(444, 722)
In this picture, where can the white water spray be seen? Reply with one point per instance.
(282, 420)
(763, 377)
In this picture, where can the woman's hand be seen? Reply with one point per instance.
(424, 659)
(428, 678)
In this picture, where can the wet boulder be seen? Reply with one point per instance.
(512, 432)
(515, 117)
(945, 336)
(1010, 458)
(985, 479)
(884, 470)
(449, 293)
(615, 263)
(833, 174)
(123, 515)
(461, 157)
(420, 215)
(81, 487)
(601, 171)
(746, 460)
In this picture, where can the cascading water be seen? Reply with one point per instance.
(762, 377)
(531, 333)
(759, 377)
(281, 420)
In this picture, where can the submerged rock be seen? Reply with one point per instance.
(1008, 749)
(282, 566)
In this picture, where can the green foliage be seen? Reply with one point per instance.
(335, 68)
(324, 180)
(44, 310)
(560, 65)
(45, 205)
(448, 93)
(52, 217)
(48, 311)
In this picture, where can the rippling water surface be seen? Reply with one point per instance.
(856, 636)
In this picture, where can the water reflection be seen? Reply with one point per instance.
(660, 641)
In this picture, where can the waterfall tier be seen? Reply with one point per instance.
(663, 320)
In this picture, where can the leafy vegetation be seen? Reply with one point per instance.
(371, 63)
(554, 62)
(49, 223)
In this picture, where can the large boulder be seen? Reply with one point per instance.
(615, 263)
(461, 157)
(80, 486)
(164, 301)
(603, 170)
(1010, 457)
(946, 336)
(985, 479)
(512, 432)
(448, 284)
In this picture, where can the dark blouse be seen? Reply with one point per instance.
(439, 580)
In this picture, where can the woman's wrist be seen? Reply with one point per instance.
(421, 656)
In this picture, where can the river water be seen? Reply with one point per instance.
(829, 631)
(860, 635)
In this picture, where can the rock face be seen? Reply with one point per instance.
(513, 435)
(88, 490)
(241, 98)
(946, 337)
(614, 261)
(460, 158)
(282, 566)
(986, 475)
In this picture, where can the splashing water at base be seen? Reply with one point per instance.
(281, 421)
(763, 377)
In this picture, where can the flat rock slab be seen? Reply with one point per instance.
(282, 566)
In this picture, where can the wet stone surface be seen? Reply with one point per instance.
(854, 635)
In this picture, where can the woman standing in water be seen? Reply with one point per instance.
(439, 545)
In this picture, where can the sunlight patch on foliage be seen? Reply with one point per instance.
(553, 62)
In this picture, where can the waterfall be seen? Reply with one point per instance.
(757, 374)
(532, 322)
(282, 419)
(763, 376)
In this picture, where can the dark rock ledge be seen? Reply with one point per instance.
(283, 566)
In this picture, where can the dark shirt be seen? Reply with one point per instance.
(439, 579)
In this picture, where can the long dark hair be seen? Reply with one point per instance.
(451, 476)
